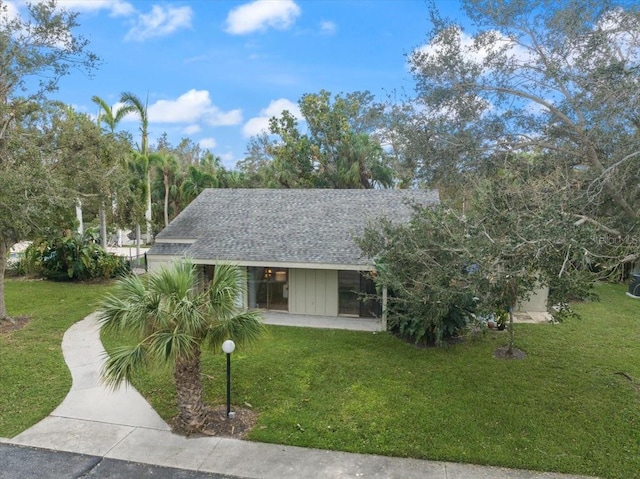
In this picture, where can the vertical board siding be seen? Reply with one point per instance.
(313, 291)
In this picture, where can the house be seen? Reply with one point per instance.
(297, 245)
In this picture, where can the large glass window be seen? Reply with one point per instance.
(357, 295)
(269, 288)
(349, 293)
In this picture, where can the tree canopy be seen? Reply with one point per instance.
(529, 126)
(558, 80)
(337, 148)
(35, 53)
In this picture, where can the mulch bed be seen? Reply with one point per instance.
(7, 327)
(219, 425)
(503, 353)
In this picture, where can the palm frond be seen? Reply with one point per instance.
(181, 305)
(128, 308)
(165, 347)
(191, 318)
(129, 98)
(123, 111)
(245, 327)
(225, 289)
(176, 280)
(121, 363)
(172, 316)
(105, 114)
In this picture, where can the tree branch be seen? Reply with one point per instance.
(585, 219)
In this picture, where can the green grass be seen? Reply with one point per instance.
(564, 408)
(34, 378)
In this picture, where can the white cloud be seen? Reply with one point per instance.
(191, 129)
(191, 107)
(228, 160)
(159, 22)
(474, 52)
(276, 107)
(11, 13)
(215, 117)
(328, 28)
(207, 143)
(259, 124)
(262, 14)
(117, 8)
(255, 126)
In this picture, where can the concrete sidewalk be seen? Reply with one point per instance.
(122, 425)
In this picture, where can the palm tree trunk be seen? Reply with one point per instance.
(166, 198)
(192, 413)
(138, 239)
(79, 217)
(148, 212)
(511, 338)
(103, 227)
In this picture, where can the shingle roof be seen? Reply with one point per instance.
(284, 225)
(171, 249)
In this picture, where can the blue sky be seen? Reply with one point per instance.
(215, 71)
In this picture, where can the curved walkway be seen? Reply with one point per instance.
(122, 425)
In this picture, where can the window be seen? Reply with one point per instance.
(269, 288)
(357, 295)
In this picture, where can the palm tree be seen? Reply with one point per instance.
(173, 316)
(195, 182)
(136, 105)
(111, 118)
(168, 166)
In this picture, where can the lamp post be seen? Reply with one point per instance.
(228, 347)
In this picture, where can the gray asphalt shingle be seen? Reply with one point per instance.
(292, 226)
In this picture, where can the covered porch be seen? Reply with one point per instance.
(325, 322)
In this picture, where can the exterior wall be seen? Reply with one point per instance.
(537, 301)
(313, 291)
(154, 263)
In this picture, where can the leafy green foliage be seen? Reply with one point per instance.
(555, 80)
(71, 257)
(416, 264)
(562, 409)
(172, 316)
(37, 50)
(515, 233)
(339, 149)
(179, 174)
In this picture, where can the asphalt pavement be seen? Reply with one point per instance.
(21, 462)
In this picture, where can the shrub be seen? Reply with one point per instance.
(71, 257)
(440, 317)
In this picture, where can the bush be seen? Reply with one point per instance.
(71, 257)
(433, 321)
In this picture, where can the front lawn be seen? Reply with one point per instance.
(34, 378)
(569, 406)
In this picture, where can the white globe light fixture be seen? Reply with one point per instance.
(228, 347)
